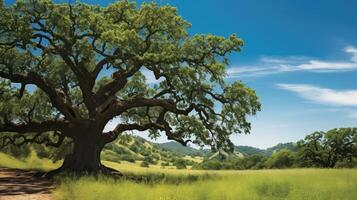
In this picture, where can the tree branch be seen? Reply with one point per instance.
(112, 135)
(85, 81)
(32, 127)
(7, 140)
(119, 80)
(32, 78)
(168, 104)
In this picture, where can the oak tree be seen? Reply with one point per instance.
(326, 149)
(68, 69)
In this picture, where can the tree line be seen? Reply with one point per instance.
(336, 148)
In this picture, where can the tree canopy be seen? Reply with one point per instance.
(68, 69)
(325, 149)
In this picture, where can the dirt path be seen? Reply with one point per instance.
(22, 185)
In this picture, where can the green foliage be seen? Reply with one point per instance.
(144, 164)
(136, 148)
(233, 163)
(316, 184)
(347, 163)
(31, 162)
(248, 151)
(150, 160)
(128, 158)
(17, 152)
(42, 151)
(166, 153)
(322, 149)
(60, 49)
(209, 165)
(180, 164)
(250, 162)
(334, 148)
(290, 146)
(182, 150)
(165, 164)
(281, 159)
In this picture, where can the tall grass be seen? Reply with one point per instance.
(314, 184)
(32, 162)
(172, 184)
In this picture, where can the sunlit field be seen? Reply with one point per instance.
(172, 184)
(30, 163)
(311, 184)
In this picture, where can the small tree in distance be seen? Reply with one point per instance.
(281, 159)
(180, 164)
(68, 69)
(326, 149)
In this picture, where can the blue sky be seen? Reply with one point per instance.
(299, 56)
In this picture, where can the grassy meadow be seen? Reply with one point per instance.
(32, 162)
(173, 184)
(306, 184)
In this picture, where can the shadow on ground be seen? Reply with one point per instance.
(16, 184)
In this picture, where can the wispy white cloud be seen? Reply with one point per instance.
(273, 65)
(150, 77)
(325, 66)
(284, 60)
(323, 95)
(353, 51)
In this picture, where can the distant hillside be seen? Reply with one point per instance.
(177, 148)
(248, 150)
(135, 148)
(290, 145)
(180, 149)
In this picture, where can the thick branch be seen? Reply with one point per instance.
(78, 68)
(119, 80)
(55, 98)
(33, 127)
(168, 104)
(112, 135)
(13, 140)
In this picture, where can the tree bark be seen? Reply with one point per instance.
(85, 158)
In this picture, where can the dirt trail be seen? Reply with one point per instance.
(23, 185)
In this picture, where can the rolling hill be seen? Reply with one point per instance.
(182, 150)
(135, 148)
(177, 148)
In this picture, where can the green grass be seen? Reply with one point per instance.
(314, 184)
(30, 163)
(173, 184)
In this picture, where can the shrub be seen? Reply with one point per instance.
(180, 164)
(128, 158)
(347, 163)
(144, 164)
(134, 148)
(165, 164)
(150, 160)
(281, 159)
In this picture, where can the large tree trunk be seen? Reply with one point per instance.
(85, 158)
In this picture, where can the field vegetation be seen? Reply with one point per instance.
(314, 184)
(170, 183)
